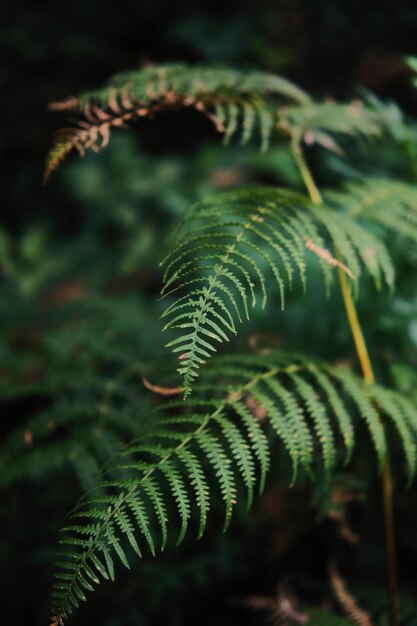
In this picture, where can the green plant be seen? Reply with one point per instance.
(229, 253)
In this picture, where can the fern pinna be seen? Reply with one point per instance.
(217, 439)
(229, 253)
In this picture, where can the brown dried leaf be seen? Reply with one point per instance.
(256, 338)
(27, 438)
(281, 608)
(259, 412)
(69, 104)
(346, 599)
(287, 608)
(324, 254)
(162, 391)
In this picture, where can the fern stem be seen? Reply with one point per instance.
(355, 327)
(387, 483)
(387, 498)
(368, 375)
(305, 172)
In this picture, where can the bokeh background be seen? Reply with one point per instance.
(94, 234)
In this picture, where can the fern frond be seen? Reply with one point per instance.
(390, 203)
(315, 122)
(238, 103)
(231, 99)
(219, 434)
(148, 83)
(231, 250)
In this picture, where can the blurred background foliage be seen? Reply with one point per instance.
(80, 282)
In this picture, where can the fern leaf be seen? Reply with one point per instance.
(248, 124)
(366, 410)
(304, 401)
(339, 410)
(230, 248)
(396, 410)
(242, 453)
(257, 440)
(225, 96)
(389, 203)
(313, 121)
(319, 418)
(199, 483)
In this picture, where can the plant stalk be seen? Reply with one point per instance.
(368, 375)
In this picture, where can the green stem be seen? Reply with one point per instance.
(368, 375)
(308, 179)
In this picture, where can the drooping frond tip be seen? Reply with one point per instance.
(60, 149)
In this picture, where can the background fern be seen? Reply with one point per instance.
(90, 369)
(391, 204)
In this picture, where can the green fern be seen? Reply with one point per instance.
(228, 255)
(233, 250)
(317, 122)
(155, 81)
(219, 441)
(235, 101)
(238, 103)
(391, 204)
(230, 250)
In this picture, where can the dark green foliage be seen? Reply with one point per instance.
(79, 418)
(91, 370)
(79, 301)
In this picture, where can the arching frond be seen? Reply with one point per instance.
(218, 443)
(240, 104)
(235, 101)
(232, 251)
